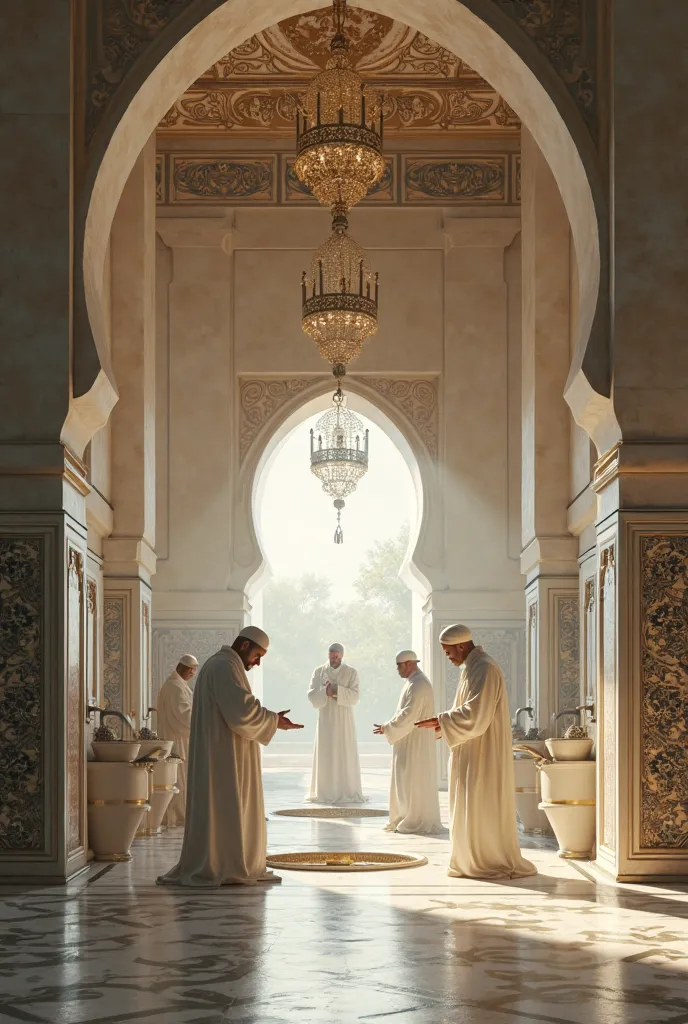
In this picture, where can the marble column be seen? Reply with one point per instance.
(196, 606)
(642, 482)
(549, 559)
(129, 552)
(43, 484)
(485, 587)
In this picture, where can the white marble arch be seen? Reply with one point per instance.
(422, 570)
(475, 30)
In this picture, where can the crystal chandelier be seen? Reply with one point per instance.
(339, 129)
(339, 454)
(339, 299)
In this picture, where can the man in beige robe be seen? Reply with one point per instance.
(482, 802)
(414, 804)
(174, 723)
(225, 840)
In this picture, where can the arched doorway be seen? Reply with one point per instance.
(479, 33)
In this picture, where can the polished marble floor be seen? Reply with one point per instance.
(404, 947)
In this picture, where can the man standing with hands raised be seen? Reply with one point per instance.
(225, 841)
(482, 803)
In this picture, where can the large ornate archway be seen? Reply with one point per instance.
(153, 61)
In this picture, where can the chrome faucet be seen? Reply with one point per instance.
(590, 708)
(520, 711)
(113, 713)
(574, 712)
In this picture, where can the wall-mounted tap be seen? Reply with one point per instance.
(519, 711)
(590, 708)
(573, 712)
(91, 710)
(113, 713)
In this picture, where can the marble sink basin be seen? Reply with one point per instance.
(116, 750)
(569, 750)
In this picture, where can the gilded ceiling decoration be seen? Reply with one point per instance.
(118, 32)
(257, 86)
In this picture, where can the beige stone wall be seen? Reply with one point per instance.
(228, 314)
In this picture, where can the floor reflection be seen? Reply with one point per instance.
(400, 946)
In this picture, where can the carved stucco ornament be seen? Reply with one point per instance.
(118, 32)
(261, 400)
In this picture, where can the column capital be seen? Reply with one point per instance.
(480, 233)
(197, 232)
(641, 475)
(550, 556)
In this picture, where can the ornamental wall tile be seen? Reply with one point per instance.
(260, 400)
(664, 691)
(170, 643)
(114, 655)
(226, 180)
(22, 694)
(567, 617)
(456, 179)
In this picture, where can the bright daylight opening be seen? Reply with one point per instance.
(318, 592)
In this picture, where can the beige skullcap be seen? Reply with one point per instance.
(336, 648)
(188, 661)
(456, 634)
(403, 656)
(256, 636)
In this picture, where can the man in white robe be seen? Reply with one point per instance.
(482, 800)
(414, 804)
(334, 692)
(225, 839)
(174, 703)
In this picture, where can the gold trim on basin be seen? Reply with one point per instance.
(526, 789)
(166, 789)
(567, 803)
(119, 803)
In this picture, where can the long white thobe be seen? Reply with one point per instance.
(336, 776)
(482, 800)
(414, 804)
(225, 838)
(174, 703)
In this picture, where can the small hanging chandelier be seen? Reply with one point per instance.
(339, 454)
(339, 129)
(339, 299)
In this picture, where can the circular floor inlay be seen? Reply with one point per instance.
(333, 812)
(344, 861)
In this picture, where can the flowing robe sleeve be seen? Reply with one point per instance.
(349, 692)
(316, 691)
(242, 712)
(473, 716)
(406, 715)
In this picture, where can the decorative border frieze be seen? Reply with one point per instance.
(607, 670)
(268, 179)
(76, 640)
(114, 663)
(567, 624)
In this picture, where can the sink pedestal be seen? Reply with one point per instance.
(568, 800)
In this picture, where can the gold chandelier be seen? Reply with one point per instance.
(339, 299)
(339, 138)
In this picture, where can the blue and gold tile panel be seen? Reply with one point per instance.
(456, 179)
(385, 191)
(223, 179)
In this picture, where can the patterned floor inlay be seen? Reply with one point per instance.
(408, 947)
(331, 812)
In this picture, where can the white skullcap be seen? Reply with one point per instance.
(407, 656)
(456, 634)
(188, 661)
(256, 636)
(336, 648)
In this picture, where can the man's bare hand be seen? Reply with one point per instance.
(284, 723)
(428, 723)
(379, 730)
(329, 691)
